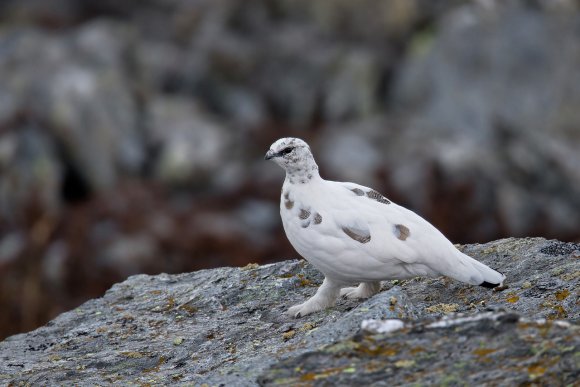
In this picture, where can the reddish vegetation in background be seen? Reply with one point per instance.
(174, 241)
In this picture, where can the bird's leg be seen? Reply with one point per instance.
(364, 290)
(325, 297)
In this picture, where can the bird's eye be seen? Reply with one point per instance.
(285, 151)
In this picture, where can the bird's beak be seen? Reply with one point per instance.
(270, 155)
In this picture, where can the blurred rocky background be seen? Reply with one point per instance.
(132, 133)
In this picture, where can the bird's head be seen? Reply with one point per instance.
(294, 155)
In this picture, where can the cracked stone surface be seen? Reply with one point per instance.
(226, 326)
(499, 348)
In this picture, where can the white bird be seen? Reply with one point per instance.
(355, 235)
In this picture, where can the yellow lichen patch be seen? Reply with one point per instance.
(132, 354)
(404, 363)
(384, 351)
(416, 350)
(544, 329)
(570, 276)
(304, 282)
(178, 341)
(489, 250)
(188, 308)
(321, 375)
(526, 285)
(288, 335)
(308, 327)
(559, 313)
(443, 308)
(547, 304)
(557, 271)
(308, 377)
(54, 358)
(373, 366)
(170, 304)
(344, 346)
(250, 266)
(160, 362)
(536, 370)
(231, 348)
(483, 351)
(512, 298)
(562, 294)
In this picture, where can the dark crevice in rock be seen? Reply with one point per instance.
(74, 187)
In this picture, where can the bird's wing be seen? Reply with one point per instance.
(394, 232)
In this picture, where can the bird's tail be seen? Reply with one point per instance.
(471, 271)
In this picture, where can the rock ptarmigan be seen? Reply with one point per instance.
(355, 235)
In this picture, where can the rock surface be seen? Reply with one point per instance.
(497, 349)
(226, 326)
(490, 98)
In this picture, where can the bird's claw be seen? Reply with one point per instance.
(349, 293)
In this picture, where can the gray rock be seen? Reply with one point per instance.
(494, 348)
(351, 87)
(191, 145)
(54, 264)
(485, 94)
(487, 102)
(226, 326)
(10, 246)
(75, 87)
(258, 218)
(30, 173)
(128, 253)
(349, 154)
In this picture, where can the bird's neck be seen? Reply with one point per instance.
(303, 175)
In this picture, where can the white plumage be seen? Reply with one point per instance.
(353, 234)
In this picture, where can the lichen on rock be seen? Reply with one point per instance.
(227, 326)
